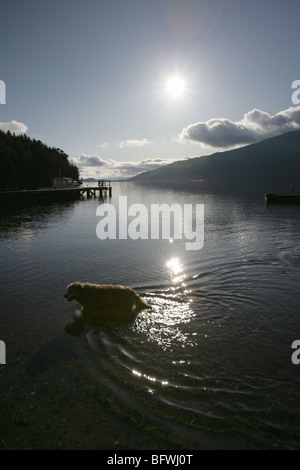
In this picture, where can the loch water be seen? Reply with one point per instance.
(210, 366)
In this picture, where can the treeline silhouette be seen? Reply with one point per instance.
(27, 163)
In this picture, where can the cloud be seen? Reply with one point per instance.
(95, 166)
(90, 160)
(134, 143)
(105, 145)
(14, 126)
(256, 125)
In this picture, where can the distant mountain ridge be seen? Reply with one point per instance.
(270, 165)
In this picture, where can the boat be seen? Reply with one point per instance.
(282, 198)
(64, 183)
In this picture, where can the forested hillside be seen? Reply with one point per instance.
(30, 164)
(271, 165)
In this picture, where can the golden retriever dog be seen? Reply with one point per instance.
(102, 302)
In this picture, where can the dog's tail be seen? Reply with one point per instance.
(141, 304)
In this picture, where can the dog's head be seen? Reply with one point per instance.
(73, 291)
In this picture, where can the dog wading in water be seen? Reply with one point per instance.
(102, 302)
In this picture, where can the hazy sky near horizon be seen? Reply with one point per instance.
(90, 77)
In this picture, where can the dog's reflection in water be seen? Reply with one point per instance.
(103, 305)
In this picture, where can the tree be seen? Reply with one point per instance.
(29, 163)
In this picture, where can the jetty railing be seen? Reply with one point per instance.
(104, 189)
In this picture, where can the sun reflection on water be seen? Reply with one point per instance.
(149, 377)
(177, 275)
(176, 271)
(174, 266)
(167, 323)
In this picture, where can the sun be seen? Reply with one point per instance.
(175, 86)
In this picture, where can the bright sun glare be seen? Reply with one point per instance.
(175, 86)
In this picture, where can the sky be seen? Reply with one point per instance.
(92, 77)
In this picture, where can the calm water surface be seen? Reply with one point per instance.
(211, 363)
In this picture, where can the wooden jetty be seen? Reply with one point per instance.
(20, 198)
(103, 189)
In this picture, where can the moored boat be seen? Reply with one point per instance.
(282, 198)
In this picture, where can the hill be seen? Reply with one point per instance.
(267, 166)
(28, 163)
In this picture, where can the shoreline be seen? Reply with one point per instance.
(58, 406)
